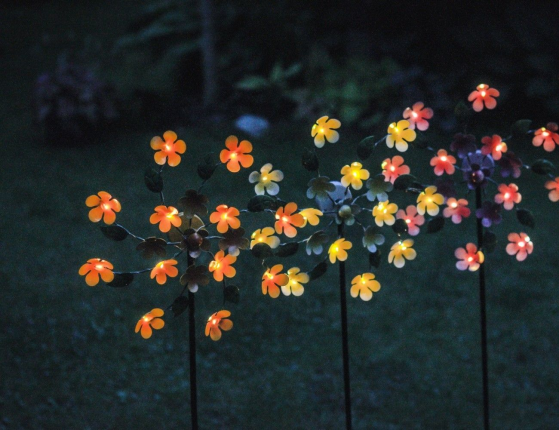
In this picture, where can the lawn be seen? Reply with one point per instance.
(71, 358)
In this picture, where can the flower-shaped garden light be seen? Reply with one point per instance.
(354, 175)
(164, 269)
(469, 258)
(520, 245)
(456, 210)
(296, 281)
(553, 186)
(266, 236)
(168, 149)
(104, 207)
(266, 180)
(287, 220)
(225, 217)
(221, 265)
(217, 322)
(94, 268)
(429, 201)
(508, 195)
(400, 252)
(324, 128)
(412, 219)
(364, 286)
(272, 280)
(443, 162)
(494, 146)
(384, 213)
(546, 136)
(338, 250)
(237, 154)
(483, 96)
(150, 321)
(392, 168)
(400, 135)
(489, 213)
(311, 215)
(418, 115)
(477, 168)
(165, 216)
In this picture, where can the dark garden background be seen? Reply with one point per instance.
(84, 87)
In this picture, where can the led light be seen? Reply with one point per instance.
(99, 267)
(454, 205)
(408, 221)
(521, 244)
(414, 114)
(392, 168)
(284, 219)
(507, 196)
(234, 155)
(264, 178)
(527, 239)
(443, 158)
(470, 259)
(483, 93)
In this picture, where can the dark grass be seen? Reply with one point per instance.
(71, 360)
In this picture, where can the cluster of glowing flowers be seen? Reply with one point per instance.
(354, 175)
(494, 146)
(104, 207)
(218, 322)
(391, 169)
(364, 286)
(266, 180)
(150, 321)
(456, 210)
(384, 213)
(338, 250)
(221, 265)
(520, 244)
(272, 280)
(225, 217)
(311, 215)
(296, 281)
(287, 220)
(325, 128)
(508, 195)
(418, 115)
(429, 201)
(482, 96)
(164, 269)
(442, 162)
(547, 136)
(400, 252)
(168, 149)
(165, 216)
(553, 186)
(265, 236)
(236, 153)
(469, 258)
(412, 219)
(94, 268)
(400, 135)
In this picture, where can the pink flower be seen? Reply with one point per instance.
(494, 146)
(391, 169)
(456, 209)
(469, 258)
(520, 244)
(554, 187)
(412, 219)
(417, 115)
(508, 196)
(483, 95)
(443, 163)
(547, 136)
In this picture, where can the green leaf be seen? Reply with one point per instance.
(206, 169)
(462, 112)
(262, 251)
(261, 203)
(543, 167)
(403, 182)
(153, 180)
(287, 249)
(400, 226)
(253, 83)
(521, 127)
(179, 305)
(318, 270)
(365, 147)
(374, 258)
(121, 280)
(526, 217)
(310, 160)
(435, 224)
(489, 241)
(114, 232)
(231, 294)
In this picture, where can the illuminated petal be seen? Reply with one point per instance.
(92, 201)
(226, 325)
(156, 143)
(107, 275)
(231, 142)
(273, 291)
(272, 188)
(259, 189)
(276, 175)
(157, 323)
(146, 331)
(319, 140)
(332, 135)
(96, 214)
(157, 312)
(160, 157)
(215, 333)
(174, 159)
(223, 314)
(92, 278)
(478, 105)
(169, 136)
(401, 146)
(366, 294)
(233, 165)
(254, 177)
(245, 147)
(224, 155)
(138, 325)
(180, 146)
(109, 217)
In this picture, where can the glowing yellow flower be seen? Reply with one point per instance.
(164, 269)
(324, 128)
(384, 213)
(311, 216)
(402, 251)
(218, 322)
(354, 175)
(149, 321)
(364, 286)
(94, 268)
(296, 279)
(429, 201)
(266, 180)
(272, 280)
(338, 250)
(104, 206)
(400, 135)
(168, 148)
(221, 265)
(265, 236)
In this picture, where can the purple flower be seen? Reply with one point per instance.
(463, 144)
(445, 186)
(476, 168)
(489, 213)
(510, 164)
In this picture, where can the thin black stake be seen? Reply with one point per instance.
(483, 315)
(345, 345)
(192, 355)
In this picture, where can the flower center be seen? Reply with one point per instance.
(443, 158)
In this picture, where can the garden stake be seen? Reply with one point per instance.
(192, 354)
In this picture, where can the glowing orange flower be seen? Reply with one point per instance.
(520, 244)
(311, 216)
(225, 217)
(411, 218)
(164, 269)
(470, 258)
(218, 322)
(324, 128)
(391, 169)
(272, 280)
(286, 219)
(236, 153)
(554, 187)
(384, 213)
(399, 134)
(165, 216)
(221, 265)
(400, 252)
(483, 95)
(168, 148)
(266, 235)
(149, 321)
(338, 250)
(494, 146)
(417, 115)
(429, 201)
(547, 137)
(456, 209)
(508, 196)
(443, 163)
(94, 268)
(354, 175)
(104, 207)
